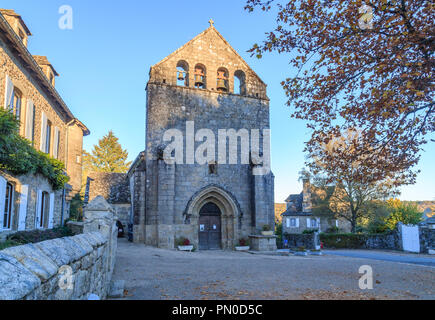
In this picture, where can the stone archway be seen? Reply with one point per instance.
(229, 213)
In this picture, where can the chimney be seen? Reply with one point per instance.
(306, 202)
(47, 68)
(17, 24)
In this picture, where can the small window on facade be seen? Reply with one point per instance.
(293, 222)
(48, 138)
(200, 76)
(182, 74)
(8, 209)
(16, 103)
(43, 215)
(212, 168)
(222, 80)
(313, 223)
(78, 159)
(240, 83)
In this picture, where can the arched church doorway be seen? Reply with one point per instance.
(210, 229)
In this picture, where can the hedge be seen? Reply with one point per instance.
(35, 236)
(344, 241)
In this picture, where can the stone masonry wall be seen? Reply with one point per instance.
(34, 183)
(172, 186)
(427, 239)
(114, 187)
(64, 269)
(31, 89)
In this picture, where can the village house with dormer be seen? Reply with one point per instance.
(28, 90)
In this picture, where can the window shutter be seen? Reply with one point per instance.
(38, 208)
(23, 208)
(336, 223)
(29, 120)
(308, 223)
(9, 93)
(318, 223)
(2, 199)
(288, 222)
(56, 143)
(297, 222)
(43, 133)
(51, 212)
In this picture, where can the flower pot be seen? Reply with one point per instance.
(244, 248)
(185, 248)
(267, 233)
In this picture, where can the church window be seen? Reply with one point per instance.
(200, 76)
(212, 168)
(240, 83)
(222, 80)
(182, 73)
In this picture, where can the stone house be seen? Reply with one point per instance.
(205, 84)
(299, 216)
(28, 90)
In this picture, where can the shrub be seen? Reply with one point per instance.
(333, 230)
(301, 249)
(267, 227)
(8, 243)
(17, 155)
(76, 208)
(310, 231)
(35, 236)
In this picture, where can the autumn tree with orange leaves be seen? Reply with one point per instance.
(360, 65)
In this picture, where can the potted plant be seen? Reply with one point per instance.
(301, 251)
(267, 230)
(243, 245)
(185, 245)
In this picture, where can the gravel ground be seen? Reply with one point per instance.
(157, 274)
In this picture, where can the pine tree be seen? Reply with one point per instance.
(107, 156)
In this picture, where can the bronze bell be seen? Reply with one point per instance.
(199, 78)
(221, 85)
(181, 76)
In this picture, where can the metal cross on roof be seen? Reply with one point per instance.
(211, 22)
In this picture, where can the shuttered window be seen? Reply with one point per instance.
(8, 206)
(9, 93)
(30, 121)
(56, 143)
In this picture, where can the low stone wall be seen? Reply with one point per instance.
(427, 239)
(391, 241)
(69, 268)
(295, 240)
(383, 241)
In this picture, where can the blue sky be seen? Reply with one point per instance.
(104, 63)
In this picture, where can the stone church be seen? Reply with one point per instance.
(203, 84)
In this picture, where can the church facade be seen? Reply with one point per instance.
(204, 104)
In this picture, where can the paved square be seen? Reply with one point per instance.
(155, 274)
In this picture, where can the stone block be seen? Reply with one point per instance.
(16, 281)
